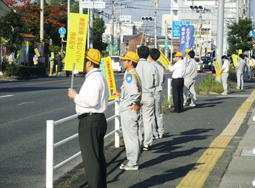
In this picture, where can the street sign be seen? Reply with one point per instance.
(166, 44)
(253, 32)
(93, 4)
(177, 28)
(62, 31)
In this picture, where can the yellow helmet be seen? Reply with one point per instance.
(178, 54)
(131, 56)
(93, 55)
(187, 50)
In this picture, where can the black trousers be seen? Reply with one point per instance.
(92, 129)
(178, 84)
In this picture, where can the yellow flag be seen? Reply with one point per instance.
(163, 60)
(37, 52)
(76, 41)
(107, 72)
(234, 59)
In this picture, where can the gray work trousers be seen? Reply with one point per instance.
(129, 123)
(146, 120)
(189, 85)
(158, 126)
(239, 77)
(225, 81)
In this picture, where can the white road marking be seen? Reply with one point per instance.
(25, 103)
(6, 96)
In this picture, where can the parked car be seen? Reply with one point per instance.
(117, 64)
(207, 62)
(68, 73)
(199, 64)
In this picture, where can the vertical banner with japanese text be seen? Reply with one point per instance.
(107, 72)
(217, 68)
(186, 38)
(234, 59)
(76, 41)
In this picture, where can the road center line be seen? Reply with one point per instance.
(199, 173)
(6, 96)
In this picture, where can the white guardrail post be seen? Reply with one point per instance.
(169, 91)
(117, 125)
(49, 153)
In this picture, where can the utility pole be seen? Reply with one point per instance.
(112, 29)
(155, 24)
(200, 28)
(237, 11)
(119, 33)
(241, 9)
(166, 38)
(220, 28)
(41, 20)
(171, 59)
(91, 26)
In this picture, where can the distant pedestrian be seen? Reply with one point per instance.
(59, 62)
(190, 80)
(224, 73)
(239, 72)
(148, 74)
(11, 58)
(91, 103)
(35, 60)
(129, 110)
(252, 66)
(246, 67)
(178, 82)
(158, 126)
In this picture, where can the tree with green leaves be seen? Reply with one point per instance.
(239, 35)
(11, 30)
(98, 30)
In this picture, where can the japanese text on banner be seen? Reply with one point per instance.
(217, 68)
(76, 41)
(107, 72)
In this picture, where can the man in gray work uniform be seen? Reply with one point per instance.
(158, 126)
(190, 79)
(239, 72)
(149, 76)
(129, 110)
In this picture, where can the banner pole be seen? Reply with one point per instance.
(72, 76)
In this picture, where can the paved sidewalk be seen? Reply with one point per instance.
(187, 136)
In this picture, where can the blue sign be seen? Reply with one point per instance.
(176, 29)
(62, 31)
(186, 38)
(253, 32)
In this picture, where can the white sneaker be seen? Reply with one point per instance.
(223, 93)
(126, 167)
(192, 105)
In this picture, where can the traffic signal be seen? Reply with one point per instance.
(147, 18)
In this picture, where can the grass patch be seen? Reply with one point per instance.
(167, 101)
(210, 85)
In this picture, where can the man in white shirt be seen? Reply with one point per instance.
(178, 82)
(158, 126)
(91, 102)
(224, 74)
(252, 66)
(190, 80)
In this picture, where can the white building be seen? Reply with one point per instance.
(207, 25)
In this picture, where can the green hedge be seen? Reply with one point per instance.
(24, 72)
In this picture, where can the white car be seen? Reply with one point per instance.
(117, 64)
(199, 64)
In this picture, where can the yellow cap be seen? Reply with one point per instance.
(187, 51)
(93, 55)
(178, 54)
(131, 56)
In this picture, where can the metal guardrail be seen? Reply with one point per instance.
(50, 145)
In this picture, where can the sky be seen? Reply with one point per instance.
(139, 8)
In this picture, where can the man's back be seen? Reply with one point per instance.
(148, 75)
(161, 75)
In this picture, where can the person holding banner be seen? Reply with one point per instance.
(130, 97)
(190, 79)
(239, 72)
(158, 126)
(252, 66)
(150, 80)
(35, 60)
(224, 74)
(91, 103)
(246, 67)
(178, 82)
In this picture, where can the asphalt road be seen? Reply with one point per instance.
(24, 108)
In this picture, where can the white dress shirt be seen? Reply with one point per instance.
(178, 69)
(93, 95)
(225, 66)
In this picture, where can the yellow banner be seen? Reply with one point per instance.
(37, 52)
(240, 51)
(234, 59)
(107, 72)
(76, 41)
(217, 68)
(163, 60)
